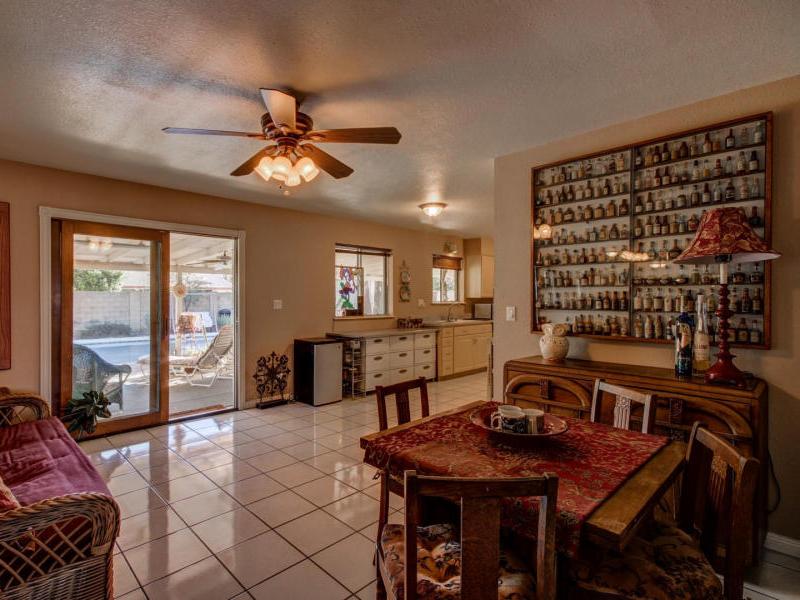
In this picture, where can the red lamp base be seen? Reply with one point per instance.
(725, 372)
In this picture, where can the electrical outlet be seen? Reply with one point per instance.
(421, 302)
(511, 313)
(277, 304)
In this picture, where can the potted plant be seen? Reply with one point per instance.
(82, 413)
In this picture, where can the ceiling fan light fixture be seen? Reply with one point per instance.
(433, 209)
(306, 168)
(265, 168)
(281, 167)
(293, 178)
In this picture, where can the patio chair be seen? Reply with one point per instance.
(211, 362)
(91, 372)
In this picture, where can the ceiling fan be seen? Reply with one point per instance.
(220, 262)
(293, 157)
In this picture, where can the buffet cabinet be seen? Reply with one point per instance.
(606, 227)
(739, 415)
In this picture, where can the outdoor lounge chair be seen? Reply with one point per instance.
(204, 369)
(90, 372)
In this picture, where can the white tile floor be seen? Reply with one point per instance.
(272, 504)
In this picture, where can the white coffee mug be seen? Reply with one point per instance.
(535, 420)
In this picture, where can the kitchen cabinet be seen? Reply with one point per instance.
(463, 349)
(394, 355)
(479, 266)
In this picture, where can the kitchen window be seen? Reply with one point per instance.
(361, 281)
(446, 276)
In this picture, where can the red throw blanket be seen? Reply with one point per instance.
(591, 460)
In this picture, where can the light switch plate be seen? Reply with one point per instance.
(511, 313)
(421, 302)
(277, 304)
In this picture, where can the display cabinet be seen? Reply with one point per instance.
(606, 227)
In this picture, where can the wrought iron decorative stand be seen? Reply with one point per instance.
(272, 378)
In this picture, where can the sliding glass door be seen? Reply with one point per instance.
(112, 304)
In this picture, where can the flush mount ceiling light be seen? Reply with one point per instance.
(433, 209)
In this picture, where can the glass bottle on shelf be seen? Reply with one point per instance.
(747, 301)
(741, 163)
(738, 277)
(623, 301)
(730, 140)
(706, 169)
(755, 333)
(742, 332)
(701, 343)
(758, 302)
(718, 193)
(717, 171)
(638, 300)
(683, 334)
(669, 302)
(752, 164)
(729, 166)
(694, 148)
(707, 146)
(706, 197)
(757, 275)
(758, 134)
(638, 327)
(730, 192)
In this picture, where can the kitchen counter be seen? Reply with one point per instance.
(381, 332)
(458, 323)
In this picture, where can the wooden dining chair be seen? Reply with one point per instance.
(624, 401)
(467, 560)
(712, 534)
(401, 391)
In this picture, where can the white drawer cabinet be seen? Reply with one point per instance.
(404, 374)
(376, 362)
(379, 378)
(427, 371)
(401, 359)
(425, 340)
(376, 345)
(424, 355)
(401, 342)
(398, 357)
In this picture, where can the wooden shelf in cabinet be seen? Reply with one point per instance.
(636, 340)
(595, 199)
(669, 211)
(545, 186)
(697, 182)
(568, 287)
(582, 221)
(663, 235)
(584, 265)
(616, 241)
(720, 153)
(578, 310)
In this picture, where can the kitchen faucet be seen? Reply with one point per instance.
(450, 318)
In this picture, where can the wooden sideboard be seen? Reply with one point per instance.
(740, 415)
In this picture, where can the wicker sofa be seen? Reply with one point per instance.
(58, 521)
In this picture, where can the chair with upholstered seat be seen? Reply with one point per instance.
(468, 561)
(626, 402)
(674, 561)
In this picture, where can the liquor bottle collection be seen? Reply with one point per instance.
(621, 218)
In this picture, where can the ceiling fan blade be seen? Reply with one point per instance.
(251, 163)
(248, 134)
(332, 166)
(361, 135)
(281, 106)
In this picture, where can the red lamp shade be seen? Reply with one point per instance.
(726, 232)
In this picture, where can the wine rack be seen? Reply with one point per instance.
(595, 218)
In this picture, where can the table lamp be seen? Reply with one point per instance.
(724, 237)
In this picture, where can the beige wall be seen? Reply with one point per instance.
(289, 255)
(779, 366)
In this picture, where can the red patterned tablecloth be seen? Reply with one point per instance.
(592, 460)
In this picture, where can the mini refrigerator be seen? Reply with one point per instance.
(318, 370)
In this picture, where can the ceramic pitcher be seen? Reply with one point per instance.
(554, 343)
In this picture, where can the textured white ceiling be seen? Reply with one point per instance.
(88, 84)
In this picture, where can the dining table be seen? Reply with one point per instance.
(610, 479)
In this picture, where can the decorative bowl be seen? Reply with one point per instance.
(553, 427)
